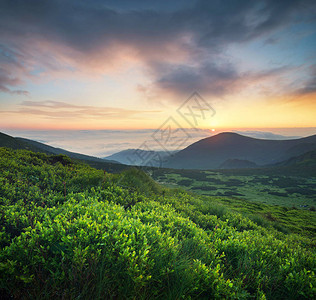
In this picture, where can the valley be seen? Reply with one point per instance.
(284, 190)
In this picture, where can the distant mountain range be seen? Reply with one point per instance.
(231, 149)
(222, 151)
(140, 157)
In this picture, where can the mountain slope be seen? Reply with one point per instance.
(308, 158)
(53, 150)
(237, 164)
(14, 143)
(26, 144)
(210, 153)
(69, 231)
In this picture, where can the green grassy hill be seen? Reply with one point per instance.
(69, 231)
(26, 144)
(14, 143)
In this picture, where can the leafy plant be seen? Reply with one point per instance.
(70, 231)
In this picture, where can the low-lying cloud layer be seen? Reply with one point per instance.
(102, 143)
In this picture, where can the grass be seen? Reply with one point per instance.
(264, 198)
(267, 189)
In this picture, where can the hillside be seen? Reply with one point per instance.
(14, 143)
(73, 232)
(306, 159)
(212, 152)
(237, 164)
(52, 150)
(26, 144)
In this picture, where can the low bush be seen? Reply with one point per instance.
(68, 231)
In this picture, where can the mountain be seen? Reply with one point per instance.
(308, 158)
(237, 164)
(139, 157)
(14, 143)
(26, 144)
(212, 152)
(53, 150)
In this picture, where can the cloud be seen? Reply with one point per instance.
(102, 142)
(309, 86)
(212, 79)
(265, 135)
(206, 78)
(176, 43)
(11, 71)
(61, 110)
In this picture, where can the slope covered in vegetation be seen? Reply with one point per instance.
(70, 231)
(26, 144)
(285, 201)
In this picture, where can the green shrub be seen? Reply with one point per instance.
(68, 231)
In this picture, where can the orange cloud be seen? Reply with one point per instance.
(61, 110)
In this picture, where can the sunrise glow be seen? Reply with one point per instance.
(133, 72)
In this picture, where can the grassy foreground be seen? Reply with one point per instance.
(68, 231)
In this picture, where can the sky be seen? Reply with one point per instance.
(135, 65)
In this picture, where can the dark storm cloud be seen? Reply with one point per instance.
(86, 28)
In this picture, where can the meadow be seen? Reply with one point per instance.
(285, 201)
(69, 231)
(264, 187)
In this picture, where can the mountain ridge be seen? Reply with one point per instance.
(140, 157)
(211, 152)
(26, 144)
(226, 150)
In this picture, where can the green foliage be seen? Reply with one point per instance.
(135, 179)
(68, 231)
(267, 198)
(264, 185)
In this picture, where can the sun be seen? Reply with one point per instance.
(213, 129)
